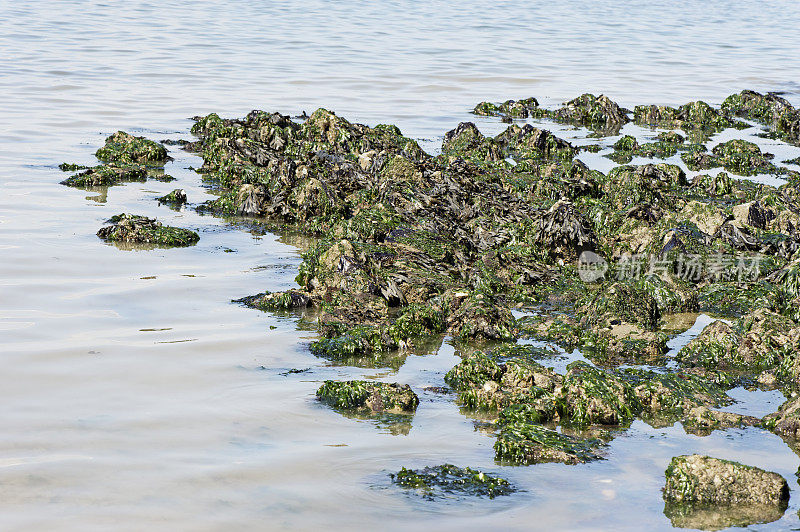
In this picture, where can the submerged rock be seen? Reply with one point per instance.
(443, 480)
(702, 479)
(140, 229)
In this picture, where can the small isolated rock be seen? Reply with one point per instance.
(143, 230)
(106, 175)
(447, 479)
(125, 148)
(176, 197)
(702, 479)
(369, 397)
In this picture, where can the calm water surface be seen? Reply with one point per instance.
(136, 396)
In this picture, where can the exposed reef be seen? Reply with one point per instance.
(511, 238)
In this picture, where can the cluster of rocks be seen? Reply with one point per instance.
(128, 158)
(410, 247)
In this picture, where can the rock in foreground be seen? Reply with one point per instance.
(706, 480)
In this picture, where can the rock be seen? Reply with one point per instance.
(107, 175)
(177, 197)
(524, 443)
(702, 479)
(702, 421)
(140, 229)
(369, 396)
(769, 109)
(122, 147)
(443, 480)
(592, 111)
(715, 347)
(786, 421)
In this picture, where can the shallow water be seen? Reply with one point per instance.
(135, 395)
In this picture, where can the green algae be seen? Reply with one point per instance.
(369, 396)
(448, 480)
(107, 175)
(176, 198)
(122, 147)
(524, 444)
(140, 229)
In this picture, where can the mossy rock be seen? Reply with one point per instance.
(140, 229)
(589, 395)
(107, 175)
(449, 480)
(525, 443)
(369, 396)
(122, 147)
(702, 479)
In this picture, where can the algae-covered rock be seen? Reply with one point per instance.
(107, 175)
(715, 347)
(525, 443)
(666, 397)
(122, 147)
(369, 397)
(590, 395)
(597, 112)
(769, 109)
(737, 156)
(510, 108)
(702, 421)
(140, 229)
(449, 480)
(175, 198)
(702, 479)
(691, 116)
(786, 421)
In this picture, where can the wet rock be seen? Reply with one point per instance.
(702, 479)
(369, 396)
(140, 229)
(107, 175)
(449, 480)
(769, 109)
(528, 142)
(715, 347)
(691, 116)
(666, 397)
(563, 231)
(288, 300)
(177, 197)
(702, 421)
(122, 147)
(786, 421)
(510, 108)
(597, 112)
(588, 395)
(716, 185)
(523, 443)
